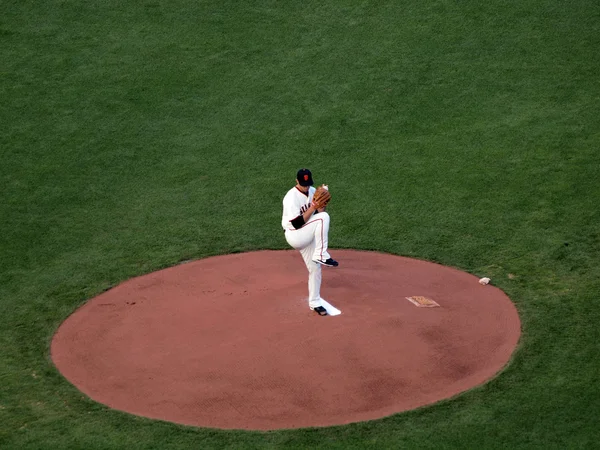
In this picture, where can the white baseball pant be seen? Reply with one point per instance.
(311, 240)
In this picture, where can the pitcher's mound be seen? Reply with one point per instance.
(230, 342)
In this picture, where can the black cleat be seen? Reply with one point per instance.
(320, 310)
(328, 262)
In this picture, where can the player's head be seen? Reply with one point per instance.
(304, 177)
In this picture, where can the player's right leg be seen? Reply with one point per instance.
(314, 277)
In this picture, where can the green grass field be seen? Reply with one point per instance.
(139, 134)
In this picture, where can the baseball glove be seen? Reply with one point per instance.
(321, 197)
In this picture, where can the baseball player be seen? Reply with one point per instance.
(306, 226)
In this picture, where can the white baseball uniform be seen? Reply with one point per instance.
(309, 238)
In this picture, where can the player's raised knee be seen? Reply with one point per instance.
(323, 215)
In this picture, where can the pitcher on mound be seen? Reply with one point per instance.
(306, 225)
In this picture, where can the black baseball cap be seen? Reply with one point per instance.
(304, 177)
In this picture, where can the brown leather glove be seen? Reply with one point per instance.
(321, 197)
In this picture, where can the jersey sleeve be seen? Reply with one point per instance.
(291, 210)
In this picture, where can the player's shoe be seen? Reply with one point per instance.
(328, 262)
(319, 310)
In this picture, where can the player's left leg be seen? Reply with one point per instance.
(319, 225)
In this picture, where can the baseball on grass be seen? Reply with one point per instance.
(484, 281)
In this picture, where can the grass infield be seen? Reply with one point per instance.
(139, 134)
